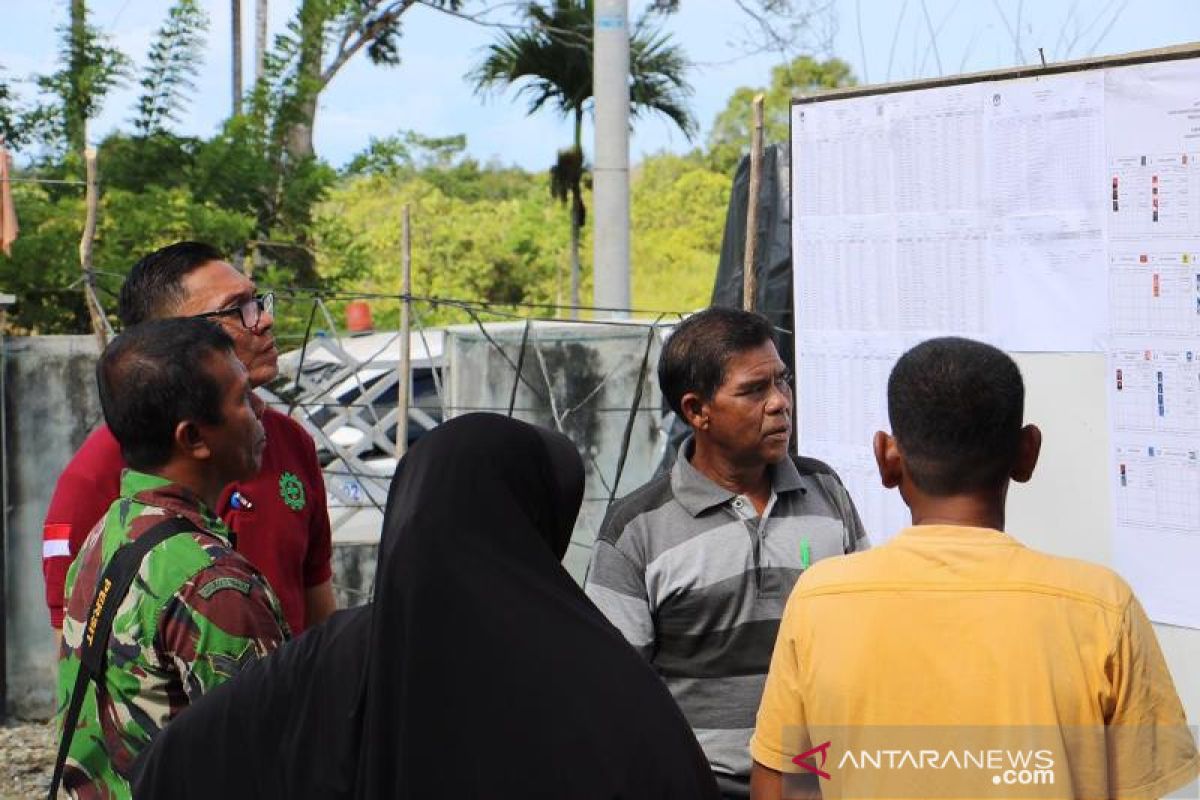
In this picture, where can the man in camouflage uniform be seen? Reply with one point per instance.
(181, 407)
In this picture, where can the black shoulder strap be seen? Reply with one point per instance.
(110, 591)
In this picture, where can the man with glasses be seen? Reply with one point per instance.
(278, 518)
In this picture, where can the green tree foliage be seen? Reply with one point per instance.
(502, 251)
(729, 139)
(171, 65)
(678, 214)
(441, 162)
(506, 247)
(153, 191)
(160, 159)
(45, 263)
(321, 39)
(89, 69)
(550, 62)
(13, 125)
(406, 152)
(44, 271)
(481, 232)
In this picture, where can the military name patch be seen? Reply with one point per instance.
(212, 587)
(292, 491)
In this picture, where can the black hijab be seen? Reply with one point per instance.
(480, 670)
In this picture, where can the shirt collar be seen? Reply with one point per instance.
(697, 492)
(959, 534)
(174, 499)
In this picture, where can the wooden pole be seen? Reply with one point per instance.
(405, 377)
(749, 275)
(100, 325)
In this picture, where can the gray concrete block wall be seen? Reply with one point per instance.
(51, 405)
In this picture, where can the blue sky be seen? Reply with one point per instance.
(881, 39)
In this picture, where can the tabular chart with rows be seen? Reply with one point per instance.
(1155, 195)
(1155, 292)
(842, 401)
(903, 274)
(1044, 154)
(1155, 390)
(882, 511)
(842, 389)
(1158, 487)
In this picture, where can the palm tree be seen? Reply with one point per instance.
(551, 63)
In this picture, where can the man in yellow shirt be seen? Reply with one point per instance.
(953, 661)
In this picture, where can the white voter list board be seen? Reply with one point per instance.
(1056, 212)
(1152, 134)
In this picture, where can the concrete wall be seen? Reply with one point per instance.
(50, 406)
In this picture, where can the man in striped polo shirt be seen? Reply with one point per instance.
(695, 567)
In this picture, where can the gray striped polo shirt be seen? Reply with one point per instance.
(697, 582)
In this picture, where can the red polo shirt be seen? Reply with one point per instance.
(279, 518)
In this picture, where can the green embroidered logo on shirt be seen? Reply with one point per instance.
(292, 491)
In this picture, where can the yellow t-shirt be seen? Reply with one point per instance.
(955, 661)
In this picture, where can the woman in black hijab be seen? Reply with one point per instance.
(480, 670)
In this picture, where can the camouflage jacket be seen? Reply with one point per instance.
(196, 613)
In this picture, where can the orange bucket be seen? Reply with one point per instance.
(358, 316)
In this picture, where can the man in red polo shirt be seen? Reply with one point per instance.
(278, 518)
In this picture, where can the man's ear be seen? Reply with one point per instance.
(1028, 450)
(888, 459)
(190, 440)
(695, 410)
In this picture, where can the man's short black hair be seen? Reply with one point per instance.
(956, 407)
(154, 287)
(154, 376)
(695, 355)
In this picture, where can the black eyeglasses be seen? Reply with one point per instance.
(250, 311)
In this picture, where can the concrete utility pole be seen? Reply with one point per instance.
(235, 18)
(260, 40)
(611, 185)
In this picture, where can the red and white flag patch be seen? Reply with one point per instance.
(56, 540)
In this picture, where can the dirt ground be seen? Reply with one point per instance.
(27, 752)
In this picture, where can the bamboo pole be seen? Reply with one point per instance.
(749, 274)
(404, 383)
(100, 325)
